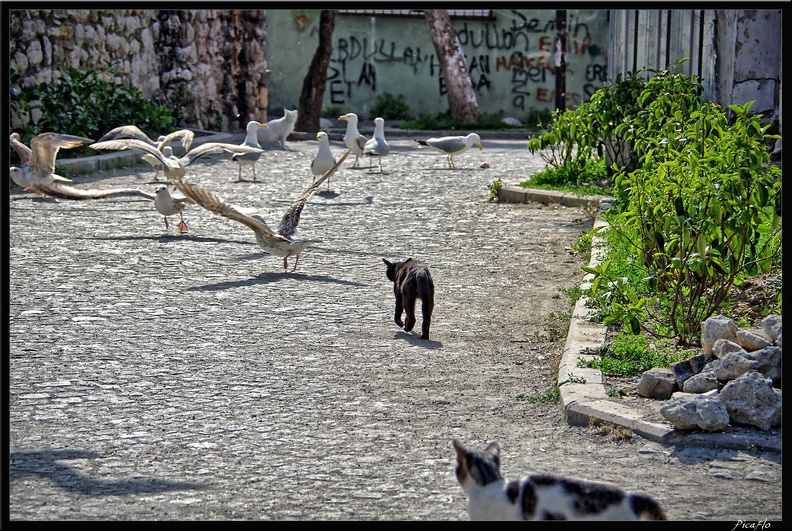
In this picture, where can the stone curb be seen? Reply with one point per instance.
(582, 390)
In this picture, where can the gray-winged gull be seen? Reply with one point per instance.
(352, 138)
(278, 243)
(170, 205)
(377, 146)
(451, 145)
(324, 159)
(251, 140)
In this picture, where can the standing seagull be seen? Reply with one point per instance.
(279, 243)
(352, 138)
(451, 145)
(168, 205)
(38, 160)
(130, 131)
(324, 159)
(251, 140)
(377, 146)
(174, 167)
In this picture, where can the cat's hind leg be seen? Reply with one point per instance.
(427, 305)
(409, 310)
(398, 313)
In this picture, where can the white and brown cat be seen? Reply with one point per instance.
(542, 496)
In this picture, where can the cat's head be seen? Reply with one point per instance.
(477, 468)
(392, 268)
(290, 115)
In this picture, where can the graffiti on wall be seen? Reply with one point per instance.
(517, 59)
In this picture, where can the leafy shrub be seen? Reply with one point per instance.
(629, 355)
(443, 121)
(390, 107)
(82, 103)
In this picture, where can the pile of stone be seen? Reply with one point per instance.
(736, 379)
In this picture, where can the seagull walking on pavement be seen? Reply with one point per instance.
(352, 138)
(324, 159)
(279, 242)
(38, 160)
(451, 145)
(377, 146)
(175, 167)
(130, 131)
(170, 205)
(251, 140)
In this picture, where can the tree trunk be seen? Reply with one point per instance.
(313, 89)
(462, 101)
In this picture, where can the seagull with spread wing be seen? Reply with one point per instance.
(451, 145)
(278, 243)
(38, 169)
(174, 167)
(131, 131)
(38, 160)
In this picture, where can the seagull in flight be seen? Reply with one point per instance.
(278, 242)
(38, 160)
(451, 145)
(130, 131)
(174, 167)
(377, 146)
(352, 138)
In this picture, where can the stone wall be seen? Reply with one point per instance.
(217, 56)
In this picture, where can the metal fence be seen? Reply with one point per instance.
(656, 39)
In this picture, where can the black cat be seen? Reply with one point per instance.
(412, 280)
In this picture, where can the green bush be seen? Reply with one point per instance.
(390, 107)
(83, 103)
(630, 355)
(701, 212)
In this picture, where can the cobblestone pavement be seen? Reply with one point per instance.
(161, 377)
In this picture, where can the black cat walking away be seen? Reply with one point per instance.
(411, 280)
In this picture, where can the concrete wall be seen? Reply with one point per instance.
(510, 58)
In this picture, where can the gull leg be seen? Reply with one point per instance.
(182, 224)
(254, 172)
(166, 222)
(239, 175)
(296, 259)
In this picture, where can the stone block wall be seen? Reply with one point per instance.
(218, 56)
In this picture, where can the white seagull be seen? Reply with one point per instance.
(451, 145)
(377, 146)
(174, 167)
(324, 159)
(352, 138)
(38, 160)
(169, 205)
(278, 243)
(130, 131)
(251, 140)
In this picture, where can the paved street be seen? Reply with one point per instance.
(162, 377)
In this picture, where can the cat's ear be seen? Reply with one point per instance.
(386, 262)
(460, 450)
(493, 449)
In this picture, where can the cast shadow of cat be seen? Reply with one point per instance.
(49, 465)
(415, 339)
